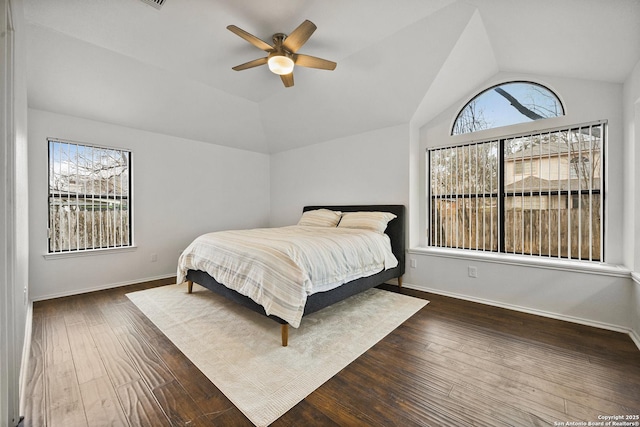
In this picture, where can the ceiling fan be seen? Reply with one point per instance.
(283, 54)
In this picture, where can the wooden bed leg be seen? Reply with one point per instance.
(400, 281)
(189, 286)
(285, 334)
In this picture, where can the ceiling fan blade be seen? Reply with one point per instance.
(260, 44)
(313, 62)
(251, 64)
(299, 36)
(287, 79)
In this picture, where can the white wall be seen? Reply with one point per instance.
(598, 299)
(598, 296)
(631, 104)
(368, 168)
(632, 191)
(181, 188)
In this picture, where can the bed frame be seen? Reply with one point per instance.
(396, 232)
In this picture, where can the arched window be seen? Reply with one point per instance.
(507, 104)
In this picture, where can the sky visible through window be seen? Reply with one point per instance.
(84, 162)
(508, 104)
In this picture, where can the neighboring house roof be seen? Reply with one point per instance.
(551, 149)
(533, 184)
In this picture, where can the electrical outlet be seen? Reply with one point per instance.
(473, 271)
(413, 263)
(154, 257)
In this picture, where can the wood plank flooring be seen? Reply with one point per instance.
(96, 360)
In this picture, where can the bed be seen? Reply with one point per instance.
(395, 231)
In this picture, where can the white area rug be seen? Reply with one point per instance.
(241, 353)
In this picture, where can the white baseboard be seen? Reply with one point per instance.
(103, 287)
(587, 322)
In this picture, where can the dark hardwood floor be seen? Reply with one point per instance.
(96, 361)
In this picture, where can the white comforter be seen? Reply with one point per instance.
(279, 267)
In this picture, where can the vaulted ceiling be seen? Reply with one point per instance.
(169, 70)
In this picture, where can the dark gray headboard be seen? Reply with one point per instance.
(395, 229)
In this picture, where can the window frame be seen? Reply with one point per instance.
(502, 194)
(92, 250)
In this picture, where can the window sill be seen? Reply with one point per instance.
(89, 252)
(527, 261)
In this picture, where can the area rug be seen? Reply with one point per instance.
(241, 353)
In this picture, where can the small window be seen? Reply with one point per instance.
(525, 167)
(89, 197)
(507, 104)
(579, 166)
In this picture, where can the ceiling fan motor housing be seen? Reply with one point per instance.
(283, 56)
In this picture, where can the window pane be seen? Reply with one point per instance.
(552, 193)
(89, 197)
(464, 197)
(507, 104)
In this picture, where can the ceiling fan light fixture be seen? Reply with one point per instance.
(283, 55)
(280, 64)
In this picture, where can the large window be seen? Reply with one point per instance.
(89, 197)
(534, 194)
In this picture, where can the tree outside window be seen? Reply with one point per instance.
(89, 197)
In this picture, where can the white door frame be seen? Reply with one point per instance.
(9, 360)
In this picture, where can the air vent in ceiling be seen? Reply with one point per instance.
(155, 3)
